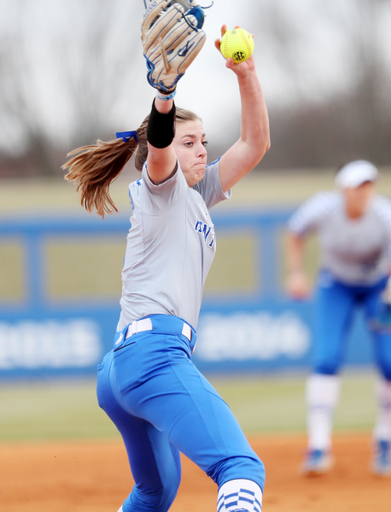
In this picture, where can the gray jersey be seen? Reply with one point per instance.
(354, 251)
(170, 246)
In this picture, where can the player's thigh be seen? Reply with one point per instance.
(334, 308)
(154, 461)
(381, 333)
(382, 349)
(178, 400)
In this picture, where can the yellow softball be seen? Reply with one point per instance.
(237, 44)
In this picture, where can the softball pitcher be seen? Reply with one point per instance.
(354, 231)
(147, 383)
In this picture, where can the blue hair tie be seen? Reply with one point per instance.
(127, 136)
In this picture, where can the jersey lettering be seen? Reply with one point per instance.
(206, 230)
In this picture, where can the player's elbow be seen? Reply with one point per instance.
(259, 150)
(261, 144)
(265, 144)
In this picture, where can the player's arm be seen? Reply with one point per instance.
(172, 38)
(297, 283)
(306, 219)
(161, 161)
(254, 139)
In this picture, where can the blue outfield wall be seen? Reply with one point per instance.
(261, 331)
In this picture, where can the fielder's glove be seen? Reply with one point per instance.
(381, 320)
(172, 38)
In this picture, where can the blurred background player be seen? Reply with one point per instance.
(353, 226)
(148, 384)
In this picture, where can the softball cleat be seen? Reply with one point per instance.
(316, 462)
(381, 461)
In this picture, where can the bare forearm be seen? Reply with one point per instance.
(255, 120)
(254, 140)
(163, 106)
(297, 284)
(295, 253)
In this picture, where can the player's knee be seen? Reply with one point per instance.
(326, 368)
(168, 495)
(386, 371)
(152, 500)
(239, 467)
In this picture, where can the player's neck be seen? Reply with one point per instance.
(355, 211)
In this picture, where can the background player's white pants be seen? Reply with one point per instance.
(382, 430)
(322, 394)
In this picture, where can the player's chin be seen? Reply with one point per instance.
(199, 171)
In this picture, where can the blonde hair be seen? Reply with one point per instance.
(93, 168)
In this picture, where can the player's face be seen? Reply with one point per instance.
(190, 148)
(358, 198)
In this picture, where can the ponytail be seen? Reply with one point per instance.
(93, 168)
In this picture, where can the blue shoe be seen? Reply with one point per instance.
(381, 461)
(316, 462)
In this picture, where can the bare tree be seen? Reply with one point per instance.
(354, 121)
(83, 81)
(87, 59)
(371, 108)
(97, 66)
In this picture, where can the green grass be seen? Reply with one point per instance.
(51, 410)
(259, 189)
(269, 405)
(276, 404)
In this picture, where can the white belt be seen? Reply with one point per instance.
(146, 325)
(186, 331)
(138, 326)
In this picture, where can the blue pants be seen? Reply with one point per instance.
(335, 306)
(161, 405)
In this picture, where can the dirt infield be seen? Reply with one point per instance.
(94, 477)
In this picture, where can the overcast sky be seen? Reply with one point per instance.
(307, 57)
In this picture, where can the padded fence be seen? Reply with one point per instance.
(60, 288)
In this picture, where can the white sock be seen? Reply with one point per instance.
(239, 494)
(382, 430)
(120, 509)
(322, 394)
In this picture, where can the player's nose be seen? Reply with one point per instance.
(202, 150)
